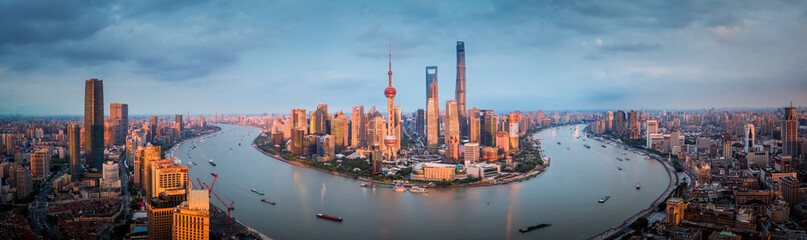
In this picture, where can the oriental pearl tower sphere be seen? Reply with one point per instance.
(390, 141)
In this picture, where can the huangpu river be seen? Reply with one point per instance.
(565, 195)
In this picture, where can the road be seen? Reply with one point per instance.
(38, 210)
(106, 230)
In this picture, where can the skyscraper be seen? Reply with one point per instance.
(178, 119)
(358, 125)
(40, 164)
(73, 145)
(790, 133)
(490, 126)
(153, 128)
(452, 120)
(431, 83)
(748, 142)
(432, 108)
(652, 128)
(119, 112)
(459, 94)
(94, 122)
(420, 122)
(512, 122)
(339, 131)
(298, 118)
(474, 125)
(726, 145)
(432, 124)
(390, 140)
(192, 218)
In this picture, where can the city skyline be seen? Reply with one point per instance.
(236, 58)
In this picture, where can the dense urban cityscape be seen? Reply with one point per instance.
(707, 147)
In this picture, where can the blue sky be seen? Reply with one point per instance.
(164, 57)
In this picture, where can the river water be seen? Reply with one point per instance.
(565, 195)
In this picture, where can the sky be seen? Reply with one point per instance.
(226, 56)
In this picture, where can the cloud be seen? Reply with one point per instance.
(374, 42)
(39, 21)
(602, 50)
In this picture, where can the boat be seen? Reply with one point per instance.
(367, 185)
(329, 217)
(627, 159)
(558, 143)
(256, 191)
(399, 188)
(416, 189)
(264, 200)
(586, 145)
(214, 174)
(239, 144)
(604, 198)
(638, 186)
(568, 148)
(603, 146)
(620, 168)
(619, 159)
(212, 163)
(536, 227)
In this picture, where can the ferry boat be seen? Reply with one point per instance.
(329, 217)
(264, 200)
(212, 163)
(586, 145)
(416, 189)
(604, 199)
(256, 191)
(638, 186)
(536, 227)
(620, 168)
(399, 188)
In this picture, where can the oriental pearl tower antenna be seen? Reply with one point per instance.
(390, 141)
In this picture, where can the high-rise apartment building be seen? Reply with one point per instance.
(24, 182)
(153, 129)
(727, 145)
(119, 113)
(459, 93)
(490, 126)
(94, 123)
(652, 128)
(471, 153)
(633, 124)
(297, 135)
(790, 133)
(40, 164)
(73, 145)
(452, 147)
(325, 148)
(790, 190)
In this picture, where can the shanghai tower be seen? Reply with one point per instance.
(94, 122)
(459, 95)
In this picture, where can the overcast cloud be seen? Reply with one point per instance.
(164, 57)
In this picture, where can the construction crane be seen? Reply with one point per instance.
(230, 207)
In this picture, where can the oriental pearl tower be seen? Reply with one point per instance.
(390, 141)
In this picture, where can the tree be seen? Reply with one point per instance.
(639, 224)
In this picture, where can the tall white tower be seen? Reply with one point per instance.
(390, 140)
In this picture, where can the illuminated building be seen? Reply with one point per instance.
(474, 125)
(298, 118)
(119, 113)
(490, 126)
(73, 145)
(503, 141)
(726, 145)
(452, 148)
(790, 133)
(513, 130)
(675, 211)
(297, 135)
(432, 109)
(471, 153)
(358, 125)
(790, 190)
(40, 164)
(459, 93)
(452, 120)
(192, 217)
(339, 131)
(325, 148)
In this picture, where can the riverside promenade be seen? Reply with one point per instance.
(653, 206)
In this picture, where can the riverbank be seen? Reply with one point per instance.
(222, 226)
(506, 179)
(608, 234)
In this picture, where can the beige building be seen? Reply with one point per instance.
(675, 211)
(192, 218)
(40, 164)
